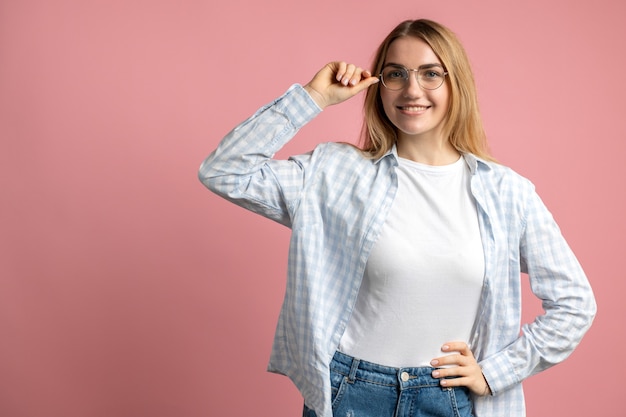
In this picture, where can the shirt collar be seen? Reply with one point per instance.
(391, 153)
(472, 160)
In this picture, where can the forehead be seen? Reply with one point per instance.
(410, 52)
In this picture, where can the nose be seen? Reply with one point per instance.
(412, 87)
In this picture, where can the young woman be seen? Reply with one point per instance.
(403, 294)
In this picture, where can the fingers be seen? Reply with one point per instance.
(459, 368)
(350, 74)
(475, 381)
(461, 349)
(337, 82)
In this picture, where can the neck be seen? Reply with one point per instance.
(427, 151)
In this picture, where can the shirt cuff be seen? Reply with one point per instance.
(298, 106)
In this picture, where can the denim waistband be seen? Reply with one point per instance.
(403, 378)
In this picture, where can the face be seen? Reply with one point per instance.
(417, 113)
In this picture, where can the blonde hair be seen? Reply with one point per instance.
(462, 123)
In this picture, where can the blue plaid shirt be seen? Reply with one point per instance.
(335, 200)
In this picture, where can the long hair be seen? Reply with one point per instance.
(462, 123)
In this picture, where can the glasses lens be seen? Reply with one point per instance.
(394, 78)
(431, 78)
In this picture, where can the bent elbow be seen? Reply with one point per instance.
(208, 174)
(205, 173)
(592, 309)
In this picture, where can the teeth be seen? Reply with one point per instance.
(414, 108)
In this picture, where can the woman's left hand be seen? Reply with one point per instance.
(464, 369)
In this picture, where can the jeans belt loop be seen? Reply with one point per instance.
(353, 369)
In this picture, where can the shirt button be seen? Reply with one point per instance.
(404, 376)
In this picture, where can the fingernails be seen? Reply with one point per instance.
(435, 374)
(445, 347)
(434, 362)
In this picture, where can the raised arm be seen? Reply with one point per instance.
(242, 168)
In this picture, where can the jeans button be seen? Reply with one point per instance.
(404, 376)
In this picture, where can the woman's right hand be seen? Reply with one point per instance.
(337, 82)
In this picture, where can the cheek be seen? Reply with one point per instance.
(387, 99)
(444, 98)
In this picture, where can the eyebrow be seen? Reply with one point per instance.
(423, 66)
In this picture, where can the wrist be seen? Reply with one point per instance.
(317, 97)
(487, 390)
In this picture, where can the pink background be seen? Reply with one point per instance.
(127, 289)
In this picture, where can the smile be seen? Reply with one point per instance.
(413, 108)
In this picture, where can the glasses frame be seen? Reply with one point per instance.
(417, 76)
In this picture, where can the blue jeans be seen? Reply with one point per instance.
(364, 389)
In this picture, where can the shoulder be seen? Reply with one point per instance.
(503, 191)
(339, 154)
(342, 168)
(501, 177)
(343, 149)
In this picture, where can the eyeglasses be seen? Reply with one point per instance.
(429, 77)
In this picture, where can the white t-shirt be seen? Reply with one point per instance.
(424, 276)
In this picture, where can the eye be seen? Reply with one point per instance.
(431, 74)
(395, 74)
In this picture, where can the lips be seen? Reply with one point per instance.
(413, 108)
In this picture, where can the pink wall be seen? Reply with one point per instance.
(127, 289)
